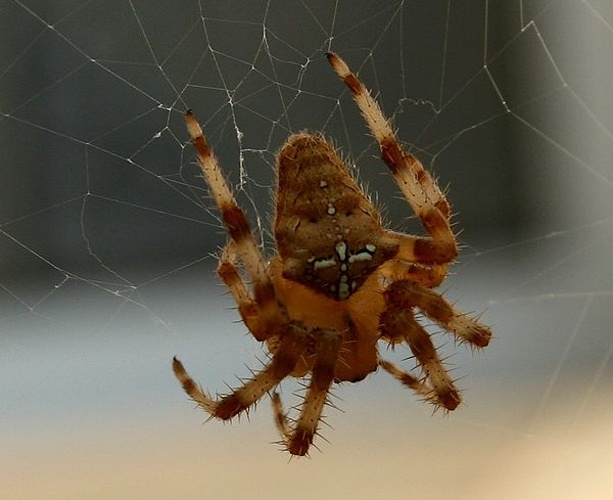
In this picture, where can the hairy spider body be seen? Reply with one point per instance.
(340, 281)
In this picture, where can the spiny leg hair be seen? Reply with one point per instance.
(292, 345)
(299, 439)
(397, 323)
(240, 231)
(417, 185)
(407, 294)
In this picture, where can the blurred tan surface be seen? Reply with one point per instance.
(372, 455)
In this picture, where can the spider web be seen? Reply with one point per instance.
(108, 241)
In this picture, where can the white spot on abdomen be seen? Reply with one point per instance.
(341, 250)
(359, 257)
(324, 263)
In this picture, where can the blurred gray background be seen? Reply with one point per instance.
(107, 241)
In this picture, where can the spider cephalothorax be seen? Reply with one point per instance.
(339, 281)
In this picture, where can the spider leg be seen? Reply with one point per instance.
(239, 229)
(397, 323)
(412, 382)
(407, 264)
(415, 249)
(292, 345)
(299, 439)
(405, 293)
(417, 185)
(247, 307)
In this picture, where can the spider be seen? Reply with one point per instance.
(340, 281)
